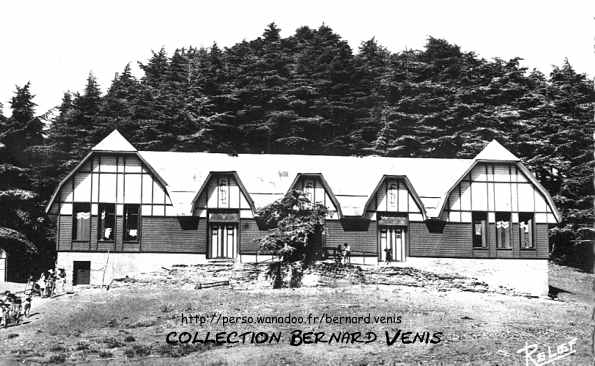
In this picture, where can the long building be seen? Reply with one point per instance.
(123, 211)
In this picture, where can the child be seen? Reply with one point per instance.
(4, 309)
(338, 254)
(346, 253)
(62, 280)
(29, 286)
(41, 284)
(27, 307)
(389, 255)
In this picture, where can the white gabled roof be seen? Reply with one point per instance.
(497, 152)
(114, 142)
(268, 177)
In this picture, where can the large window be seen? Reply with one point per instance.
(503, 230)
(131, 222)
(480, 224)
(81, 220)
(106, 220)
(526, 226)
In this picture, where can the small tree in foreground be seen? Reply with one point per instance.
(295, 226)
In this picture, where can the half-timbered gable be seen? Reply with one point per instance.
(317, 190)
(223, 191)
(394, 194)
(111, 178)
(498, 187)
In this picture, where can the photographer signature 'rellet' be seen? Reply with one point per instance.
(535, 358)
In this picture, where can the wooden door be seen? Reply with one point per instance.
(223, 240)
(394, 239)
(81, 273)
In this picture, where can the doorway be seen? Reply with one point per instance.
(393, 239)
(81, 273)
(223, 240)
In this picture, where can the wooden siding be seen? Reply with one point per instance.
(249, 231)
(542, 247)
(165, 234)
(454, 241)
(64, 235)
(158, 234)
(361, 239)
(119, 231)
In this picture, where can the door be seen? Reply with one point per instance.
(81, 273)
(394, 239)
(223, 240)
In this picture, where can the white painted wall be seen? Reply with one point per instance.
(119, 265)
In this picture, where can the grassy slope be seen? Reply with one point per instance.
(480, 328)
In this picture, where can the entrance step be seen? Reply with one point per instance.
(220, 261)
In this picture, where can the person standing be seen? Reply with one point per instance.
(41, 283)
(388, 257)
(338, 254)
(62, 280)
(346, 254)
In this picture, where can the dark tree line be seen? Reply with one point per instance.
(310, 93)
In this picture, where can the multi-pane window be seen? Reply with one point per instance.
(131, 222)
(480, 224)
(392, 194)
(106, 220)
(81, 219)
(223, 192)
(526, 225)
(503, 230)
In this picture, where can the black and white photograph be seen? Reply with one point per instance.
(297, 183)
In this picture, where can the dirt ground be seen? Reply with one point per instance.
(129, 324)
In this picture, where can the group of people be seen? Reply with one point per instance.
(48, 283)
(13, 309)
(343, 254)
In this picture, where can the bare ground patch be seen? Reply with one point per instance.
(129, 322)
